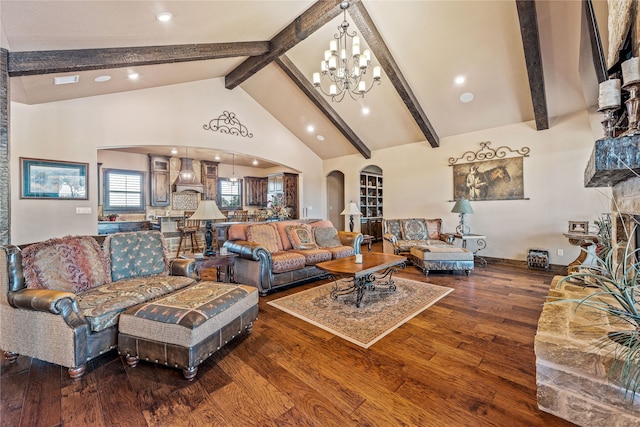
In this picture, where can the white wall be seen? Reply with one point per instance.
(419, 183)
(172, 116)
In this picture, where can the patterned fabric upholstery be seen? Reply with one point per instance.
(102, 306)
(414, 229)
(73, 264)
(281, 228)
(301, 237)
(188, 316)
(340, 251)
(393, 226)
(287, 261)
(265, 234)
(406, 245)
(326, 237)
(314, 256)
(136, 254)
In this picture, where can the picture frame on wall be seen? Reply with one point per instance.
(578, 226)
(53, 179)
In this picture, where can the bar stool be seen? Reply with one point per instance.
(188, 230)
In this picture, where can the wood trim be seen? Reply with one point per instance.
(376, 43)
(5, 160)
(62, 61)
(322, 104)
(319, 14)
(599, 62)
(533, 58)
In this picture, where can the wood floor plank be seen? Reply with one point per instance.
(42, 399)
(13, 388)
(81, 402)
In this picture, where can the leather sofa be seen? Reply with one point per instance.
(400, 235)
(280, 254)
(61, 298)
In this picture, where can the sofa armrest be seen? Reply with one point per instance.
(247, 250)
(183, 267)
(447, 237)
(49, 301)
(351, 238)
(391, 238)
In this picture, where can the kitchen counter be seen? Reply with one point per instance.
(110, 227)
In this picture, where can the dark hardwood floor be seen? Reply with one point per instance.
(466, 361)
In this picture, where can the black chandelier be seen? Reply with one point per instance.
(346, 72)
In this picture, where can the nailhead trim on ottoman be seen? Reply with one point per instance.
(185, 327)
(429, 258)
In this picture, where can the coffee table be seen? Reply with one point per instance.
(370, 275)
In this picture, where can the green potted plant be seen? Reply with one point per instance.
(617, 294)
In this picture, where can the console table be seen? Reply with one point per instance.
(481, 243)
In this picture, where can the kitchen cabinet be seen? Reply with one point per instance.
(160, 187)
(209, 179)
(284, 184)
(256, 190)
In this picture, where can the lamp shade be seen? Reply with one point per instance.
(462, 206)
(207, 210)
(351, 209)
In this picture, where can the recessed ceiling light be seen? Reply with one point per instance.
(101, 79)
(460, 79)
(217, 157)
(164, 17)
(174, 151)
(255, 162)
(320, 137)
(466, 97)
(310, 128)
(365, 110)
(134, 76)
(64, 80)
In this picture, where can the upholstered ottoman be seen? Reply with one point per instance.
(441, 257)
(186, 327)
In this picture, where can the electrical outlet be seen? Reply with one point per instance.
(560, 252)
(83, 211)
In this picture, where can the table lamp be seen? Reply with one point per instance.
(208, 211)
(462, 207)
(351, 210)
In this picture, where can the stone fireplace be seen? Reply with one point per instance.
(571, 373)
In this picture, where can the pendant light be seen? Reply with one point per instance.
(233, 178)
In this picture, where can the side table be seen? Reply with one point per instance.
(481, 243)
(227, 261)
(368, 239)
(587, 256)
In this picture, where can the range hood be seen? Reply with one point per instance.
(186, 180)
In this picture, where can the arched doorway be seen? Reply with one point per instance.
(335, 199)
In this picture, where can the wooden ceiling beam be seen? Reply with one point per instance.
(310, 21)
(599, 63)
(533, 58)
(64, 61)
(376, 43)
(323, 105)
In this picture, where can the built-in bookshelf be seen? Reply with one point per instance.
(371, 206)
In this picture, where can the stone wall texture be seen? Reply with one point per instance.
(571, 374)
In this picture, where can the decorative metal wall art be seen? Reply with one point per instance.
(489, 174)
(229, 124)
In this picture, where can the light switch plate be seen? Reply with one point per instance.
(83, 211)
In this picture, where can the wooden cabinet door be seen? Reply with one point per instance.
(160, 187)
(290, 188)
(256, 191)
(209, 178)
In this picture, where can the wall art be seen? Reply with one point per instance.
(489, 174)
(53, 179)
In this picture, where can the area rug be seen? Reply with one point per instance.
(380, 312)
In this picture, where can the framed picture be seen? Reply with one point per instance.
(501, 179)
(578, 226)
(52, 179)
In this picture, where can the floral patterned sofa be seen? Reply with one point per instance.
(64, 295)
(400, 235)
(280, 254)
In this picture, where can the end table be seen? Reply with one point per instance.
(217, 261)
(481, 243)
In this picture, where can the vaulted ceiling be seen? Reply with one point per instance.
(520, 60)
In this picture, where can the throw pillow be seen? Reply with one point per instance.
(326, 237)
(72, 264)
(301, 237)
(433, 228)
(264, 234)
(414, 229)
(136, 254)
(392, 226)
